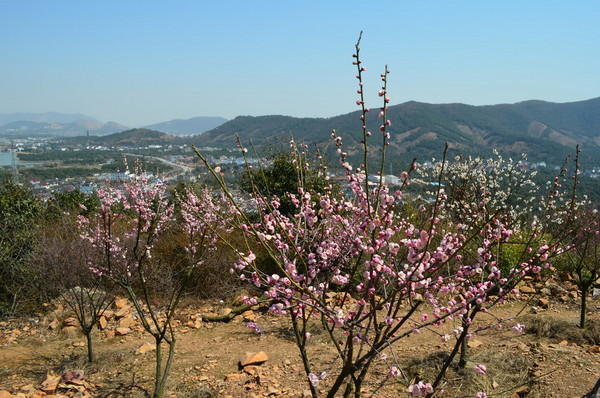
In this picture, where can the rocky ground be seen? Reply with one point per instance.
(46, 355)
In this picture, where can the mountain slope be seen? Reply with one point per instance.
(544, 130)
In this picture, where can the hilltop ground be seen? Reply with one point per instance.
(206, 362)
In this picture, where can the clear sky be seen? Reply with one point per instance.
(143, 62)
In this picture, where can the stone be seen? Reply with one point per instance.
(474, 343)
(254, 358)
(70, 331)
(526, 289)
(127, 322)
(521, 392)
(50, 385)
(102, 322)
(54, 324)
(144, 348)
(5, 394)
(544, 302)
(121, 312)
(27, 389)
(122, 331)
(120, 303)
(251, 369)
(70, 321)
(249, 315)
(233, 376)
(73, 377)
(225, 311)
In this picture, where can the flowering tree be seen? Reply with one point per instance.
(583, 260)
(122, 238)
(370, 275)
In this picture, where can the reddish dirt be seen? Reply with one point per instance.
(207, 356)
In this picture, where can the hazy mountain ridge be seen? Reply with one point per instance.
(68, 125)
(46, 117)
(195, 125)
(75, 128)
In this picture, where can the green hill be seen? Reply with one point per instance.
(546, 131)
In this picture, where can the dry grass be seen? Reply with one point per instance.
(561, 329)
(505, 373)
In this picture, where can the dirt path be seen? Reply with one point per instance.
(207, 357)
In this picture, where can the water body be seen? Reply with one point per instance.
(6, 160)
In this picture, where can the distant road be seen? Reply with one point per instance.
(184, 169)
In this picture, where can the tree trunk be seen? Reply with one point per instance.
(90, 347)
(583, 314)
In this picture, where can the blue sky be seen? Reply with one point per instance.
(142, 62)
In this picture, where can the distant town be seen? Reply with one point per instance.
(170, 163)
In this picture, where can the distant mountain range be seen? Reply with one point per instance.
(544, 130)
(48, 117)
(68, 125)
(195, 125)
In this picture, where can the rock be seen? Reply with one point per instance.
(5, 394)
(594, 349)
(122, 331)
(73, 377)
(253, 358)
(144, 348)
(233, 376)
(70, 321)
(120, 303)
(521, 392)
(70, 331)
(474, 343)
(102, 322)
(50, 385)
(54, 324)
(249, 315)
(526, 289)
(544, 302)
(121, 312)
(127, 322)
(251, 369)
(225, 311)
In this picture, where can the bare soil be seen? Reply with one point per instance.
(208, 354)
